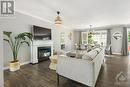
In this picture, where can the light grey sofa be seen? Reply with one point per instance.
(83, 70)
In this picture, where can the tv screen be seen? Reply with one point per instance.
(41, 33)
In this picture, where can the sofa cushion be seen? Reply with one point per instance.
(79, 56)
(76, 54)
(90, 55)
(98, 49)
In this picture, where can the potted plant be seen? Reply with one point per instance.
(15, 44)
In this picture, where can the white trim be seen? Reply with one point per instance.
(43, 19)
(117, 53)
(24, 63)
(25, 13)
(5, 68)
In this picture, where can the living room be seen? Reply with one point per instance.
(60, 39)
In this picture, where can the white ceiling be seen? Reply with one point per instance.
(78, 14)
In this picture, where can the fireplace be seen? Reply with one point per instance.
(41, 50)
(44, 53)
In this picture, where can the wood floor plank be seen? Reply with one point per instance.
(40, 75)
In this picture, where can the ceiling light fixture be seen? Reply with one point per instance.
(90, 30)
(58, 21)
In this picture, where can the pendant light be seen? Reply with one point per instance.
(58, 21)
(90, 30)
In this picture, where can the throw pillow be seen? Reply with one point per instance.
(90, 55)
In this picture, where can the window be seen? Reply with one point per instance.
(100, 37)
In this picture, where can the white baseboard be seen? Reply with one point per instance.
(5, 68)
(117, 53)
(24, 63)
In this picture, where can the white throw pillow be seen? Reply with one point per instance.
(90, 55)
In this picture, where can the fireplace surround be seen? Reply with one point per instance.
(41, 50)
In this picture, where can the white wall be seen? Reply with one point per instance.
(23, 23)
(77, 36)
(56, 39)
(1, 59)
(68, 43)
(116, 44)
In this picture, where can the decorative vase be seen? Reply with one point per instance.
(14, 65)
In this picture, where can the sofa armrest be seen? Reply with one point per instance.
(97, 63)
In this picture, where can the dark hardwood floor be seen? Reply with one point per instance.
(40, 75)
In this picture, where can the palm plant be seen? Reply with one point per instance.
(90, 39)
(16, 43)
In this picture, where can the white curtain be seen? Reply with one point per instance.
(108, 47)
(124, 50)
(80, 38)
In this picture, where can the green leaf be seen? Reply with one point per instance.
(6, 40)
(7, 33)
(25, 42)
(25, 35)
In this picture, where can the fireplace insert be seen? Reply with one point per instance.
(44, 53)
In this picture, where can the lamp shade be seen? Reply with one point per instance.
(58, 20)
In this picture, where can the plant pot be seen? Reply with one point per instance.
(14, 65)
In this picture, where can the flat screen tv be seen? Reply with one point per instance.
(41, 33)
